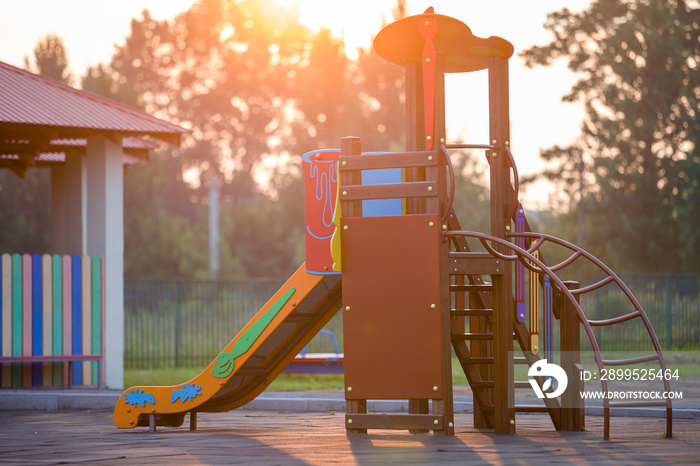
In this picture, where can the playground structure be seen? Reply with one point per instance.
(385, 245)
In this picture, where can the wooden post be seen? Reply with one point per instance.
(572, 413)
(351, 146)
(415, 130)
(445, 406)
(503, 305)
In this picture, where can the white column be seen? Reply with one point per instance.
(105, 237)
(213, 229)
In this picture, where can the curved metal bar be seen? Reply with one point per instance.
(529, 265)
(614, 320)
(639, 312)
(516, 188)
(451, 198)
(594, 286)
(520, 252)
(625, 290)
(536, 245)
(566, 262)
(495, 253)
(586, 255)
(628, 361)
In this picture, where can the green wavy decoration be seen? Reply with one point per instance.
(224, 362)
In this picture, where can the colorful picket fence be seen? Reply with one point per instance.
(51, 306)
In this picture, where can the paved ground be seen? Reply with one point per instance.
(319, 401)
(267, 437)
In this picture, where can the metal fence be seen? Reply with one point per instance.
(671, 301)
(185, 323)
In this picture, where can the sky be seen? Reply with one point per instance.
(91, 28)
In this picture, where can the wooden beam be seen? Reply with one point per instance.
(393, 160)
(394, 421)
(388, 191)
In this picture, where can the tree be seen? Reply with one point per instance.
(221, 68)
(254, 85)
(25, 211)
(638, 66)
(102, 80)
(51, 59)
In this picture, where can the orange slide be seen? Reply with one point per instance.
(247, 365)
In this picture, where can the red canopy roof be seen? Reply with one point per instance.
(30, 102)
(39, 115)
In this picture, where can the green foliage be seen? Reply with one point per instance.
(257, 87)
(51, 59)
(165, 235)
(25, 212)
(252, 83)
(101, 79)
(637, 61)
(262, 237)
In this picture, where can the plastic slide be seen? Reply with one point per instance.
(247, 365)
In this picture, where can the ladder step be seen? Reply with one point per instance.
(475, 263)
(624, 362)
(520, 361)
(530, 409)
(482, 384)
(477, 360)
(636, 404)
(472, 336)
(522, 384)
(472, 312)
(470, 287)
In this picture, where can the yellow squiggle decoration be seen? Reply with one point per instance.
(335, 239)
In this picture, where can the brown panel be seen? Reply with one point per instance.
(391, 328)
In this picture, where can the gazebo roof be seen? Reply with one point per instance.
(36, 111)
(134, 148)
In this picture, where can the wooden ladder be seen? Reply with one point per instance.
(476, 358)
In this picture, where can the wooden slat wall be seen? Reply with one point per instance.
(57, 312)
(50, 305)
(47, 317)
(97, 276)
(6, 322)
(67, 311)
(76, 316)
(26, 305)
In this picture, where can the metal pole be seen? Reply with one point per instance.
(669, 312)
(579, 233)
(213, 229)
